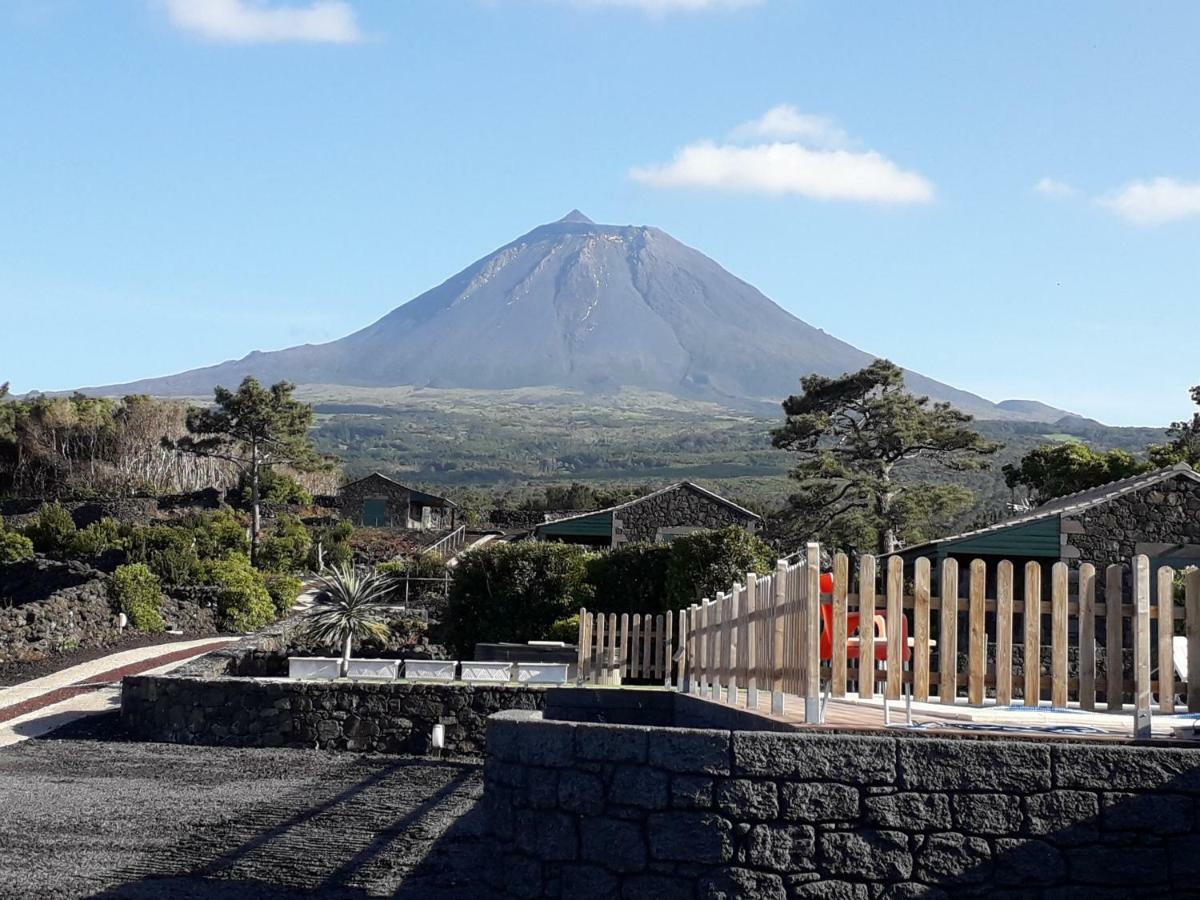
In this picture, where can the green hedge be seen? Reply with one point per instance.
(139, 595)
(706, 562)
(243, 602)
(631, 578)
(513, 592)
(283, 589)
(14, 546)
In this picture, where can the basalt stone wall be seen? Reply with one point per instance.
(681, 507)
(395, 717)
(1166, 513)
(69, 618)
(591, 810)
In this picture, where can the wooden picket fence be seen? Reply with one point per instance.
(765, 635)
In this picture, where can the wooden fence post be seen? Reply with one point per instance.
(1192, 628)
(1004, 632)
(921, 591)
(1087, 636)
(717, 648)
(751, 632)
(866, 617)
(1059, 581)
(976, 633)
(601, 662)
(895, 625)
(1033, 633)
(1141, 646)
(811, 625)
(625, 664)
(730, 637)
(705, 675)
(581, 646)
(613, 653)
(1114, 629)
(778, 624)
(840, 636)
(1166, 631)
(948, 644)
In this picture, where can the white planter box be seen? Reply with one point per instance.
(374, 668)
(308, 668)
(487, 671)
(541, 673)
(430, 669)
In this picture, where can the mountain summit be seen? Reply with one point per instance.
(580, 305)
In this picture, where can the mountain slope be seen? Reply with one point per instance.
(584, 306)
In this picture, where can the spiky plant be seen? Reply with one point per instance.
(350, 604)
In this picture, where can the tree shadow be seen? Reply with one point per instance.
(352, 844)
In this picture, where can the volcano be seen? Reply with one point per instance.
(596, 308)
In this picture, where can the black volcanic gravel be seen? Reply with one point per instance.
(87, 813)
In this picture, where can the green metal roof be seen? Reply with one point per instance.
(597, 524)
(1037, 538)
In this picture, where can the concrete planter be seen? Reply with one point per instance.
(430, 669)
(541, 673)
(491, 672)
(386, 669)
(308, 668)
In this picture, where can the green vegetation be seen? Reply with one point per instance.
(287, 547)
(1183, 440)
(530, 591)
(53, 531)
(1059, 469)
(14, 546)
(283, 590)
(243, 601)
(513, 592)
(850, 434)
(351, 604)
(139, 595)
(254, 429)
(706, 562)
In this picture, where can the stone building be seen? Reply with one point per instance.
(379, 502)
(673, 511)
(1156, 514)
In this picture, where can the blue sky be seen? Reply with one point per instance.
(1005, 197)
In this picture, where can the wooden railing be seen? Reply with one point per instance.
(449, 546)
(765, 635)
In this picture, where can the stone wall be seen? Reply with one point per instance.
(48, 606)
(1167, 513)
(351, 497)
(589, 810)
(396, 717)
(681, 507)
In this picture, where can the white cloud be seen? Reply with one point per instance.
(1154, 202)
(1052, 187)
(257, 22)
(785, 122)
(812, 161)
(660, 7)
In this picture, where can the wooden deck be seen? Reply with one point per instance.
(1039, 723)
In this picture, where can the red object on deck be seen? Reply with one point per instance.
(853, 622)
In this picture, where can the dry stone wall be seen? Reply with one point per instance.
(579, 810)
(396, 717)
(681, 507)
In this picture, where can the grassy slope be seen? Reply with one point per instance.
(453, 440)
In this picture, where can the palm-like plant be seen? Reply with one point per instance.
(351, 604)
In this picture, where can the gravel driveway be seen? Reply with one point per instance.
(89, 814)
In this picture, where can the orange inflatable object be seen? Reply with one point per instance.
(853, 620)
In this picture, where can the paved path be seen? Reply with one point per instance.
(37, 707)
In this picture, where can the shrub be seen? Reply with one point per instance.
(217, 534)
(95, 539)
(273, 487)
(513, 592)
(565, 630)
(139, 595)
(14, 547)
(286, 548)
(706, 562)
(631, 578)
(419, 582)
(243, 603)
(334, 541)
(169, 551)
(53, 530)
(284, 589)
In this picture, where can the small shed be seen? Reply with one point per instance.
(1156, 513)
(679, 509)
(377, 501)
